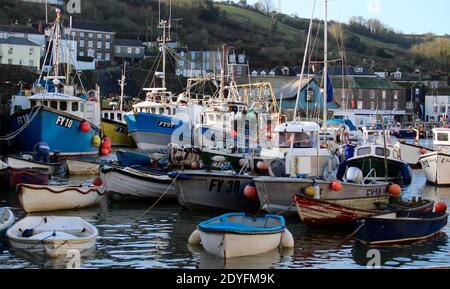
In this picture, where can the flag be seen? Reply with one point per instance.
(330, 93)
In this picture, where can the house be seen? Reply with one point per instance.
(415, 92)
(311, 100)
(20, 51)
(22, 31)
(351, 71)
(370, 96)
(437, 107)
(130, 50)
(92, 40)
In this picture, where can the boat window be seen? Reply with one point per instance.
(153, 110)
(54, 104)
(442, 137)
(45, 103)
(75, 106)
(33, 103)
(169, 111)
(364, 151)
(380, 151)
(119, 116)
(174, 111)
(300, 140)
(63, 105)
(161, 110)
(82, 107)
(211, 117)
(105, 115)
(219, 118)
(111, 116)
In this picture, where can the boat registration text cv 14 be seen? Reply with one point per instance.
(226, 279)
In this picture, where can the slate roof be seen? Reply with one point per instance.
(18, 41)
(364, 83)
(19, 29)
(128, 42)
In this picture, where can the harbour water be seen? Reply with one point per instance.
(159, 240)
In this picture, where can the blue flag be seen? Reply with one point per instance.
(330, 93)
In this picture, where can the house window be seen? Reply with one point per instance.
(10, 50)
(372, 94)
(417, 91)
(91, 35)
(108, 45)
(74, 34)
(443, 109)
(107, 56)
(91, 53)
(395, 105)
(99, 36)
(310, 95)
(99, 44)
(360, 93)
(130, 50)
(360, 104)
(81, 43)
(435, 109)
(396, 95)
(31, 51)
(117, 49)
(91, 44)
(372, 105)
(81, 34)
(63, 105)
(384, 106)
(99, 56)
(81, 53)
(108, 36)
(75, 106)
(384, 94)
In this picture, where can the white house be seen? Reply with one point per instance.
(20, 51)
(437, 107)
(21, 31)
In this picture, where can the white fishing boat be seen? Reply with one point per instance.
(7, 219)
(81, 168)
(52, 236)
(26, 161)
(411, 153)
(236, 235)
(35, 198)
(137, 183)
(436, 165)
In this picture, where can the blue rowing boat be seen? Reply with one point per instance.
(400, 227)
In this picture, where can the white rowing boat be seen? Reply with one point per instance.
(26, 161)
(80, 168)
(52, 236)
(36, 198)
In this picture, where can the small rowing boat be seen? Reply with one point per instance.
(52, 236)
(35, 198)
(6, 220)
(10, 177)
(237, 235)
(80, 168)
(26, 161)
(400, 227)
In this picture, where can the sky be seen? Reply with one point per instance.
(407, 16)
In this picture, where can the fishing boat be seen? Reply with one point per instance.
(35, 198)
(378, 158)
(56, 107)
(277, 194)
(7, 219)
(82, 168)
(436, 165)
(113, 121)
(406, 134)
(58, 168)
(137, 183)
(237, 235)
(400, 227)
(344, 212)
(52, 236)
(332, 129)
(411, 153)
(10, 177)
(212, 191)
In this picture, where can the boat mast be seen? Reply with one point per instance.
(325, 66)
(165, 26)
(122, 86)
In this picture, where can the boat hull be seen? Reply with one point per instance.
(277, 194)
(411, 154)
(117, 132)
(154, 132)
(214, 191)
(35, 198)
(436, 167)
(382, 231)
(6, 221)
(126, 183)
(229, 245)
(49, 126)
(80, 168)
(56, 169)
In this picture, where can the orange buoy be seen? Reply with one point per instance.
(395, 190)
(97, 182)
(336, 186)
(233, 133)
(250, 192)
(423, 151)
(85, 127)
(105, 151)
(440, 207)
(269, 136)
(262, 166)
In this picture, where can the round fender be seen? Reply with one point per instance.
(195, 239)
(287, 240)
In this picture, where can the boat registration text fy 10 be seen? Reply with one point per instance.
(64, 122)
(226, 279)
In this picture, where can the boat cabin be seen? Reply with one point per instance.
(441, 136)
(114, 115)
(376, 136)
(377, 150)
(298, 135)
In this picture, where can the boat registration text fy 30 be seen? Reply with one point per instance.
(222, 280)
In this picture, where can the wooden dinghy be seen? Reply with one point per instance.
(26, 161)
(10, 177)
(7, 219)
(52, 236)
(80, 168)
(35, 198)
(237, 235)
(314, 212)
(133, 183)
(400, 227)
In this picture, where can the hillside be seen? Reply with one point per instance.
(269, 40)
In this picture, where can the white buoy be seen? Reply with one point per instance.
(195, 239)
(287, 240)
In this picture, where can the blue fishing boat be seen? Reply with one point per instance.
(55, 111)
(400, 227)
(236, 235)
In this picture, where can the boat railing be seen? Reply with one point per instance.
(372, 173)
